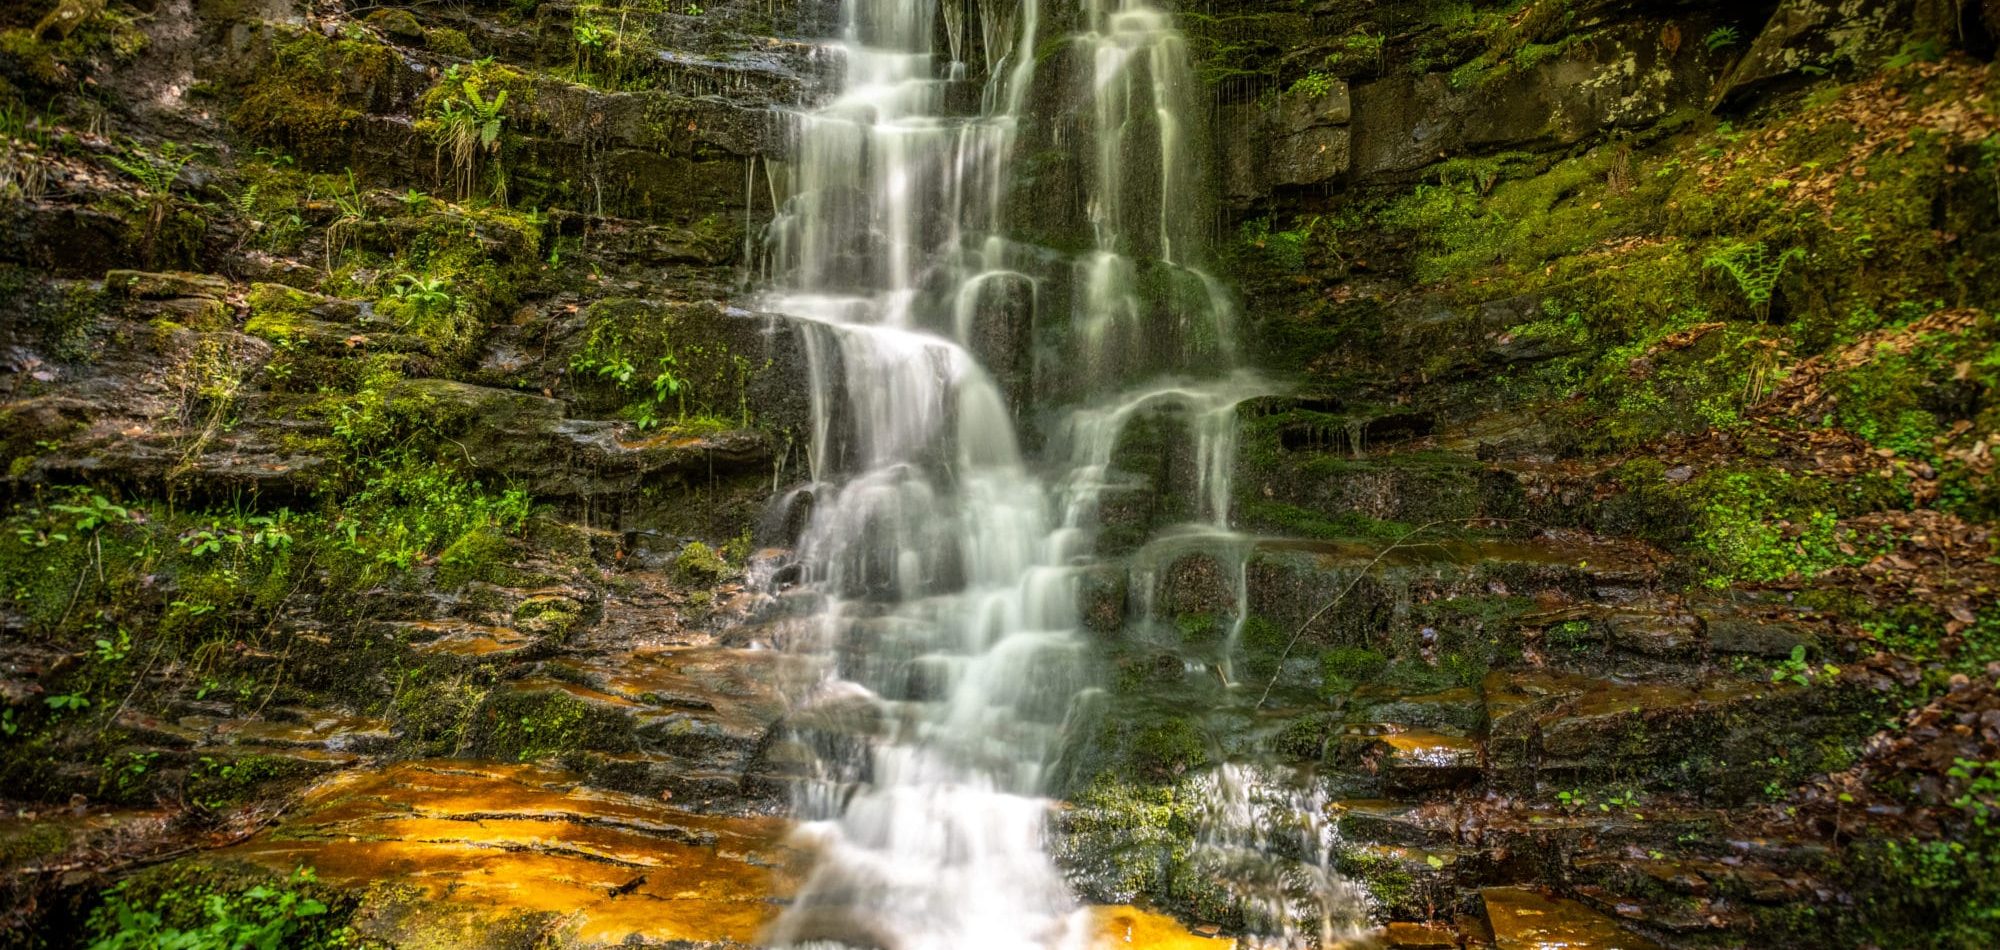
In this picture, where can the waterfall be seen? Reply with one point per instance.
(940, 563)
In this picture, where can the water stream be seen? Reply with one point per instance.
(970, 391)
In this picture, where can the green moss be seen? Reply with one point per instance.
(1930, 893)
(1298, 522)
(1342, 669)
(450, 42)
(546, 724)
(1127, 842)
(437, 714)
(315, 93)
(699, 564)
(50, 64)
(1769, 525)
(222, 783)
(1386, 879)
(1169, 747)
(410, 511)
(275, 311)
(657, 367)
(23, 842)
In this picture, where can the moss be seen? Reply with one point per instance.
(1298, 522)
(699, 564)
(546, 724)
(314, 95)
(1387, 880)
(449, 42)
(1122, 842)
(437, 714)
(1169, 747)
(552, 616)
(222, 783)
(23, 842)
(657, 365)
(65, 316)
(275, 311)
(1767, 524)
(1928, 893)
(1342, 669)
(52, 64)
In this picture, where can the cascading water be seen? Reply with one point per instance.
(939, 563)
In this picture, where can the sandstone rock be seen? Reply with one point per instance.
(1524, 919)
(1822, 35)
(140, 285)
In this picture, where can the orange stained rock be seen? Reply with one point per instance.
(1525, 919)
(1123, 926)
(505, 840)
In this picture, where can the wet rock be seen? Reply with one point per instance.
(1381, 821)
(1459, 712)
(1624, 77)
(1412, 761)
(140, 285)
(1524, 919)
(1102, 598)
(1655, 634)
(1197, 584)
(1407, 935)
(468, 641)
(473, 848)
(1773, 640)
(1303, 141)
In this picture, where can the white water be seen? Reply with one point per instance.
(940, 562)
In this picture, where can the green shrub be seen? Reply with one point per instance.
(282, 916)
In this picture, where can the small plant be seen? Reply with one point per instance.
(156, 172)
(95, 512)
(70, 701)
(116, 648)
(352, 208)
(1313, 85)
(1795, 669)
(424, 296)
(468, 126)
(414, 201)
(24, 140)
(262, 917)
(1754, 269)
(128, 776)
(1721, 38)
(1981, 798)
(1363, 43)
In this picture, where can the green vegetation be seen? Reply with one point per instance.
(210, 915)
(637, 356)
(466, 124)
(313, 99)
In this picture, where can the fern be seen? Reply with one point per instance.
(1721, 38)
(156, 172)
(1754, 268)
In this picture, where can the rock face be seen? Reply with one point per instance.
(404, 479)
(1305, 141)
(499, 853)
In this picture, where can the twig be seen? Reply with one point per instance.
(1337, 598)
(279, 677)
